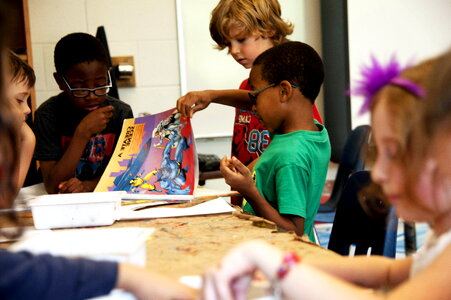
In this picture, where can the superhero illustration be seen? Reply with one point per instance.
(168, 129)
(168, 176)
(126, 180)
(143, 182)
(171, 175)
(99, 147)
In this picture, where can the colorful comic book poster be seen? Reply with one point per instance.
(155, 158)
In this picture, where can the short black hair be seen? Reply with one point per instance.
(295, 62)
(78, 48)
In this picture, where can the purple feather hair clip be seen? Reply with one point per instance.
(376, 76)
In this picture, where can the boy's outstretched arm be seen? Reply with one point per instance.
(56, 172)
(238, 176)
(195, 101)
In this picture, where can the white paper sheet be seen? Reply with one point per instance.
(32, 191)
(215, 206)
(115, 244)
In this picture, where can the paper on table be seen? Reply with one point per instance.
(26, 194)
(32, 191)
(115, 244)
(215, 206)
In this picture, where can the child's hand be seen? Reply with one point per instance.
(95, 121)
(73, 185)
(236, 174)
(231, 279)
(192, 102)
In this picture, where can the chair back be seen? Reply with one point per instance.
(354, 228)
(352, 160)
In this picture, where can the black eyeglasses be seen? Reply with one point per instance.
(254, 94)
(84, 92)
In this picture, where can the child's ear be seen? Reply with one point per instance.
(59, 81)
(286, 90)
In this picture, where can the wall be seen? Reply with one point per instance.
(207, 68)
(144, 29)
(411, 29)
(147, 30)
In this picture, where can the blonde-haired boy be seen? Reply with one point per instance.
(246, 28)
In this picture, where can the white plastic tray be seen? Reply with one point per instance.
(75, 210)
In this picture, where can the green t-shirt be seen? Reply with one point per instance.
(291, 174)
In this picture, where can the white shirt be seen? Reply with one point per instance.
(431, 249)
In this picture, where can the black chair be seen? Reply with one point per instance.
(352, 160)
(208, 167)
(353, 226)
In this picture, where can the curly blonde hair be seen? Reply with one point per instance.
(261, 17)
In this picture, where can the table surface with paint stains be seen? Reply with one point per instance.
(186, 246)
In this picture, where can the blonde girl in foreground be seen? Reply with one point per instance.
(394, 98)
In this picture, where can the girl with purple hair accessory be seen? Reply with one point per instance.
(407, 109)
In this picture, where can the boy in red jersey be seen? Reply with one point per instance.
(246, 28)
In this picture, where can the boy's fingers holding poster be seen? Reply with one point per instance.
(193, 102)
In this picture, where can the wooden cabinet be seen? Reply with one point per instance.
(21, 39)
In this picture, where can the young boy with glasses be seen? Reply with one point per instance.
(286, 183)
(70, 125)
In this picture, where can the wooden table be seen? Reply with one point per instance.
(188, 245)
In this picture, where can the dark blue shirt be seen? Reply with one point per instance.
(27, 276)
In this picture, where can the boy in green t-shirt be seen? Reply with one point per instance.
(286, 184)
